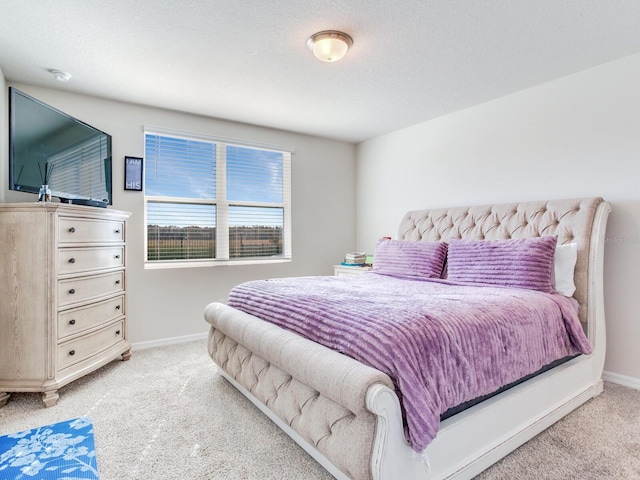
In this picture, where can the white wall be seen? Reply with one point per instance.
(578, 136)
(169, 303)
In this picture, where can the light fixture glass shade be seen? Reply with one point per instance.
(329, 45)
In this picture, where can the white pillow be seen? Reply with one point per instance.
(564, 264)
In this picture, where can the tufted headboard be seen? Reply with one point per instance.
(571, 220)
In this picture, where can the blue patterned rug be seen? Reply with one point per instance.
(62, 451)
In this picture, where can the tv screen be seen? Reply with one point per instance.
(47, 146)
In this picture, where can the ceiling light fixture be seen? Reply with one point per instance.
(60, 76)
(329, 45)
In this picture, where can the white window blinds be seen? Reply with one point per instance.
(208, 200)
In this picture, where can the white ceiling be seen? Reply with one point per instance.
(247, 60)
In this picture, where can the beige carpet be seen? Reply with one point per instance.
(167, 414)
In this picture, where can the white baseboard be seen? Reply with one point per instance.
(621, 380)
(163, 342)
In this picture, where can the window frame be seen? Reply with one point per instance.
(222, 204)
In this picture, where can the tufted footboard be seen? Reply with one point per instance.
(320, 394)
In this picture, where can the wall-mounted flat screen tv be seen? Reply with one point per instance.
(49, 146)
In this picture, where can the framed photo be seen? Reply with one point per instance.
(133, 173)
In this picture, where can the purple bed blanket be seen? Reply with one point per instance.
(442, 344)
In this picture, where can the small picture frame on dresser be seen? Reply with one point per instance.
(133, 173)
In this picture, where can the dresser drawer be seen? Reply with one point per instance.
(84, 230)
(79, 349)
(78, 319)
(74, 260)
(80, 289)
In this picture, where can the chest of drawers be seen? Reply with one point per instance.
(63, 295)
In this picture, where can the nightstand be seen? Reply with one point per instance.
(349, 270)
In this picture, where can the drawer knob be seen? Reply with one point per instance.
(117, 231)
(117, 256)
(72, 353)
(72, 291)
(117, 332)
(117, 307)
(72, 322)
(72, 260)
(72, 230)
(117, 282)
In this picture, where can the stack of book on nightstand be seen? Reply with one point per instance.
(355, 259)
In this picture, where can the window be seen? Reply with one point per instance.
(209, 201)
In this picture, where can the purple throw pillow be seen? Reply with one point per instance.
(408, 259)
(521, 263)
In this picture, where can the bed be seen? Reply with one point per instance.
(353, 419)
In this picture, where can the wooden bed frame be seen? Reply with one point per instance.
(272, 366)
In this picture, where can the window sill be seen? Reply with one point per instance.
(211, 263)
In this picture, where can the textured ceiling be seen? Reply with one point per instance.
(246, 60)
